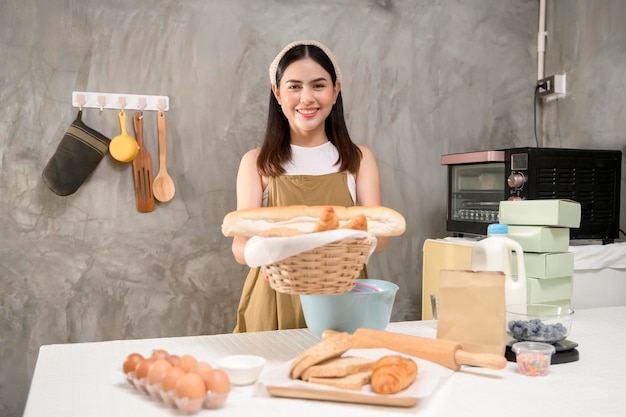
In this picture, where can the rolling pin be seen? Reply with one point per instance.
(443, 352)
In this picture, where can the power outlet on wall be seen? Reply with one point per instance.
(552, 87)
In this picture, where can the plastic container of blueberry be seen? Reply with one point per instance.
(544, 323)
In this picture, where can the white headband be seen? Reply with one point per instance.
(282, 53)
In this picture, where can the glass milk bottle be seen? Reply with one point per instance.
(494, 253)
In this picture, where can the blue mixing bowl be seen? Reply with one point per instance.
(367, 305)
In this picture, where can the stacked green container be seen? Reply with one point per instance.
(541, 227)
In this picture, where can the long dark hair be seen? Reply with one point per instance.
(276, 148)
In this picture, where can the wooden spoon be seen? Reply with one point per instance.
(163, 186)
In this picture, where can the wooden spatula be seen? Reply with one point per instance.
(142, 170)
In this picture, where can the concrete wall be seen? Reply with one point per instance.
(421, 79)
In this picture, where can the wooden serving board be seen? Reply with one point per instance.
(345, 396)
(429, 377)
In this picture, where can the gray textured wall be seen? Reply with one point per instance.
(422, 78)
(587, 41)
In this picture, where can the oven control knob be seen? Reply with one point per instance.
(515, 180)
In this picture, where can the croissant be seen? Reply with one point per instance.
(357, 223)
(392, 374)
(328, 221)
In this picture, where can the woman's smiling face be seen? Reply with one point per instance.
(306, 96)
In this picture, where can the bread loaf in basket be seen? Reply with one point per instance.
(331, 268)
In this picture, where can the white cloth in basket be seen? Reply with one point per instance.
(261, 251)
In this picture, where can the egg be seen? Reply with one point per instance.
(218, 387)
(157, 370)
(190, 386)
(189, 393)
(160, 354)
(173, 359)
(171, 377)
(168, 383)
(187, 362)
(131, 362)
(217, 381)
(201, 368)
(141, 371)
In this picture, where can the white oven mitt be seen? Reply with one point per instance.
(261, 251)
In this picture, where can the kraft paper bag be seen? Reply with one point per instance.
(471, 310)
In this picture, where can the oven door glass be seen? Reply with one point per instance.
(475, 194)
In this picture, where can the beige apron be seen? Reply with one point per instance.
(260, 307)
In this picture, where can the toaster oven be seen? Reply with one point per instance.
(478, 181)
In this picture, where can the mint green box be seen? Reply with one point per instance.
(547, 265)
(540, 238)
(545, 291)
(558, 213)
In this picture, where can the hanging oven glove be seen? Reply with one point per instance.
(77, 156)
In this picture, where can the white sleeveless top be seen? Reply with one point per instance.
(319, 160)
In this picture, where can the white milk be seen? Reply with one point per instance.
(494, 253)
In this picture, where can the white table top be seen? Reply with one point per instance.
(85, 378)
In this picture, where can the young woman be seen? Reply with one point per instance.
(307, 157)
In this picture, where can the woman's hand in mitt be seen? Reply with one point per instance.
(392, 374)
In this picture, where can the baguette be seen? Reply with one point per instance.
(392, 374)
(281, 232)
(381, 221)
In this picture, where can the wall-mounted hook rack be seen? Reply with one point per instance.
(119, 101)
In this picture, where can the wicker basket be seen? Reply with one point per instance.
(329, 269)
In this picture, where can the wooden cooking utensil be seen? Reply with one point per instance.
(443, 352)
(142, 170)
(123, 147)
(163, 186)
